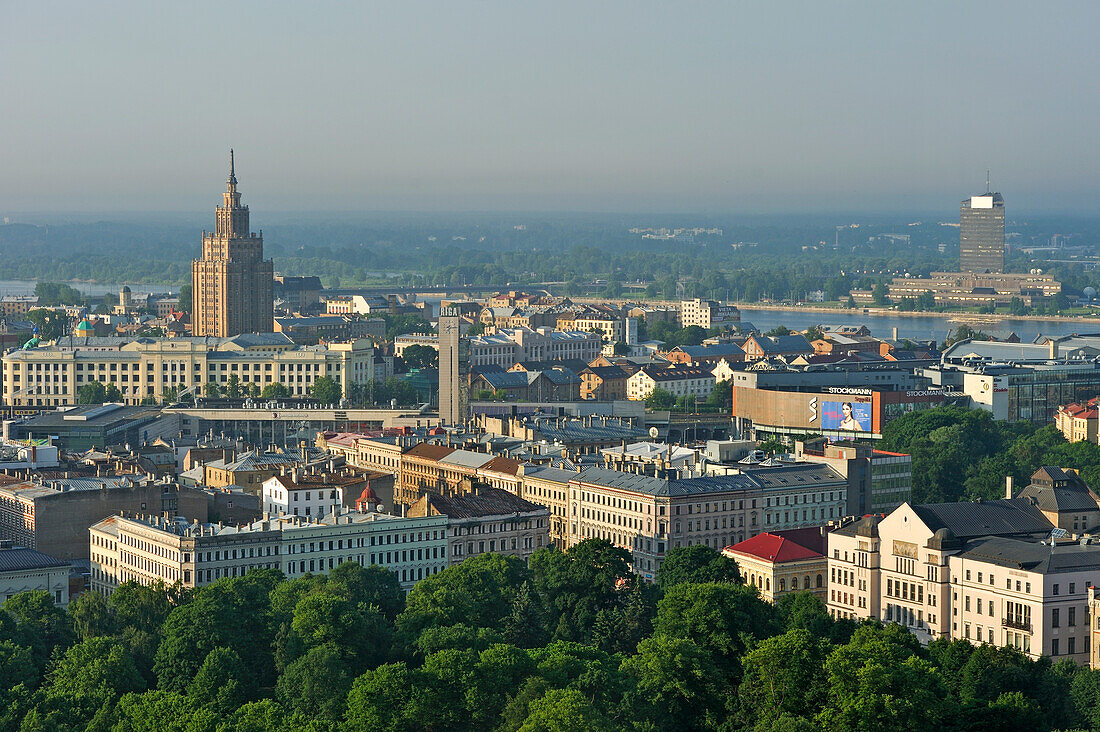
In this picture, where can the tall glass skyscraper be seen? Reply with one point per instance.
(982, 234)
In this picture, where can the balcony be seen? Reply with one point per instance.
(1017, 624)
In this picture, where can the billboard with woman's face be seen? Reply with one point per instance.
(850, 416)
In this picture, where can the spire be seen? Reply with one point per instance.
(232, 175)
(986, 174)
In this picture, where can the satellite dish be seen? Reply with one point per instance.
(653, 432)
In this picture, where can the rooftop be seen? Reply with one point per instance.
(1034, 556)
(17, 559)
(778, 548)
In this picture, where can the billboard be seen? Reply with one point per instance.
(850, 416)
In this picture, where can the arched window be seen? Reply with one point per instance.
(806, 583)
(768, 584)
(819, 580)
(794, 583)
(782, 584)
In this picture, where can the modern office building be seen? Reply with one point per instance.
(982, 233)
(232, 284)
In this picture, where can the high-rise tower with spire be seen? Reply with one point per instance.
(231, 285)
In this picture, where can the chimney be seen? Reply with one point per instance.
(895, 333)
(1053, 344)
(1008, 486)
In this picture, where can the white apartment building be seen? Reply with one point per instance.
(297, 494)
(148, 549)
(680, 381)
(146, 367)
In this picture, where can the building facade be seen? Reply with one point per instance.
(147, 367)
(26, 570)
(232, 284)
(982, 234)
(148, 549)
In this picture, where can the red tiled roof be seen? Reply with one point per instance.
(775, 548)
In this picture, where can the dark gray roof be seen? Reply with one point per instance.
(1034, 556)
(20, 559)
(866, 526)
(1055, 489)
(785, 477)
(487, 502)
(1004, 517)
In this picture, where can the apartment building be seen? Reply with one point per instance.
(145, 367)
(148, 549)
(1003, 572)
(549, 486)
(651, 514)
(679, 381)
(482, 519)
(510, 346)
(708, 314)
(1079, 422)
(52, 516)
(297, 494)
(441, 468)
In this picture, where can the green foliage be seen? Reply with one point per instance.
(660, 398)
(52, 324)
(697, 563)
(380, 392)
(420, 357)
(275, 390)
(326, 390)
(964, 454)
(94, 392)
(321, 652)
(53, 293)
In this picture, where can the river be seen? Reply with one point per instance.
(92, 289)
(919, 326)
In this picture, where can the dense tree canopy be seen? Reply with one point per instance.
(574, 641)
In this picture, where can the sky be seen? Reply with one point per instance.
(736, 107)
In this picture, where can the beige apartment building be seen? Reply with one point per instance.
(232, 284)
(148, 549)
(145, 368)
(1005, 572)
(708, 314)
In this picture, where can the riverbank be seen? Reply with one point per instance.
(889, 313)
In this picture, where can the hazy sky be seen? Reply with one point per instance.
(602, 106)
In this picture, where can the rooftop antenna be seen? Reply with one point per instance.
(986, 179)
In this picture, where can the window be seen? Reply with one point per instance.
(1054, 621)
(1071, 620)
(1055, 590)
(1053, 647)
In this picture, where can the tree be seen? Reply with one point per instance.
(814, 333)
(316, 684)
(478, 593)
(378, 699)
(877, 681)
(233, 387)
(564, 710)
(578, 583)
(784, 674)
(51, 324)
(719, 616)
(525, 625)
(218, 684)
(660, 398)
(372, 586)
(325, 390)
(777, 331)
(211, 390)
(696, 564)
(40, 624)
(185, 297)
(112, 393)
(676, 684)
(621, 348)
(53, 293)
(93, 392)
(879, 294)
(420, 357)
(91, 616)
(275, 390)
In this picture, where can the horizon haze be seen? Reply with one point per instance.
(495, 107)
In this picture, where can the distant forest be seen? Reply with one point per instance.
(774, 258)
